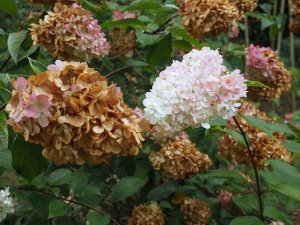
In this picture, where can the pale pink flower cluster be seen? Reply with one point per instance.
(193, 92)
(32, 109)
(256, 57)
(276, 223)
(118, 15)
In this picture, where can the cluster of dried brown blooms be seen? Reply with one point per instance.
(52, 2)
(180, 159)
(70, 33)
(262, 146)
(122, 41)
(75, 115)
(195, 212)
(203, 18)
(295, 7)
(264, 65)
(146, 214)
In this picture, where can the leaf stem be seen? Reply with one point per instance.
(258, 192)
(69, 201)
(279, 40)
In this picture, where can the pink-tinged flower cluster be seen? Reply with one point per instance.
(256, 57)
(193, 92)
(224, 197)
(32, 108)
(118, 15)
(264, 65)
(71, 33)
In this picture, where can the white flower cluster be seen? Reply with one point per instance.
(193, 92)
(7, 204)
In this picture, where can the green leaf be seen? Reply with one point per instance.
(160, 52)
(161, 192)
(260, 124)
(135, 63)
(146, 39)
(288, 190)
(273, 213)
(124, 23)
(223, 173)
(5, 159)
(247, 203)
(246, 220)
(126, 187)
(27, 158)
(3, 131)
(165, 13)
(57, 208)
(60, 176)
(88, 5)
(95, 218)
(9, 6)
(292, 146)
(219, 121)
(144, 5)
(36, 66)
(252, 83)
(14, 43)
(236, 135)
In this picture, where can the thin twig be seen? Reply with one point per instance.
(246, 31)
(259, 194)
(70, 201)
(279, 40)
(292, 54)
(162, 26)
(117, 70)
(275, 8)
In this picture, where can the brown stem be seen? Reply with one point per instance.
(69, 201)
(162, 26)
(258, 192)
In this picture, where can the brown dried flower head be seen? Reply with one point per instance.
(244, 6)
(70, 33)
(195, 212)
(180, 159)
(75, 115)
(203, 18)
(295, 25)
(262, 146)
(146, 214)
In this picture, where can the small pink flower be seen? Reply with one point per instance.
(57, 66)
(74, 88)
(37, 105)
(21, 84)
(139, 112)
(224, 197)
(255, 56)
(118, 15)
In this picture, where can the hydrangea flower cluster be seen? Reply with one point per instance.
(193, 92)
(262, 146)
(203, 18)
(264, 65)
(195, 212)
(295, 25)
(52, 2)
(7, 204)
(74, 114)
(146, 214)
(70, 32)
(122, 40)
(180, 159)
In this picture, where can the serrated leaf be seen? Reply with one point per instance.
(60, 176)
(292, 146)
(252, 83)
(124, 23)
(144, 5)
(27, 158)
(246, 220)
(126, 187)
(14, 42)
(3, 131)
(95, 218)
(9, 6)
(57, 208)
(36, 66)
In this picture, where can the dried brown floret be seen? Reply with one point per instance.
(195, 212)
(180, 159)
(52, 2)
(295, 7)
(146, 214)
